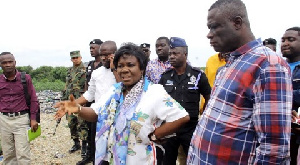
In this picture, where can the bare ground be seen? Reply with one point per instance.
(49, 149)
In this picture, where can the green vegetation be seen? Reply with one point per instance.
(46, 77)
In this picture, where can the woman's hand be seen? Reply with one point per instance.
(66, 107)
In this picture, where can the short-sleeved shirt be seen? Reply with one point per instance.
(187, 88)
(155, 68)
(155, 105)
(248, 117)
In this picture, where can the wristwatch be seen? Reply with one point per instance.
(153, 137)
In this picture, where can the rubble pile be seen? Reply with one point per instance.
(47, 99)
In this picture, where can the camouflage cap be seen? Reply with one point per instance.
(75, 53)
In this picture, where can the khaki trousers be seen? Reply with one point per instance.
(15, 146)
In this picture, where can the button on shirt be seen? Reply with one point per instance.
(12, 97)
(101, 81)
(155, 68)
(187, 88)
(248, 117)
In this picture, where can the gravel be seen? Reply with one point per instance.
(49, 149)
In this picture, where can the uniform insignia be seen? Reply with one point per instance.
(169, 82)
(192, 80)
(144, 45)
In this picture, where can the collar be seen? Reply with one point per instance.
(188, 71)
(166, 62)
(15, 78)
(246, 48)
(79, 66)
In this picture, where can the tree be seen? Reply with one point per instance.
(28, 69)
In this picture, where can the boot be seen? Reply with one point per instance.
(87, 159)
(75, 147)
(84, 149)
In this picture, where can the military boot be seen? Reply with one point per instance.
(83, 148)
(87, 159)
(75, 147)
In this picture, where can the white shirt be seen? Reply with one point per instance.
(101, 81)
(155, 106)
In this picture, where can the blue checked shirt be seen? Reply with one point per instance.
(248, 117)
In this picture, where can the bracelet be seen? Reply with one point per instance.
(79, 108)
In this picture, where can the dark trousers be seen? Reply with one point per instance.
(294, 149)
(172, 145)
(91, 139)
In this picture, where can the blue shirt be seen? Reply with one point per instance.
(250, 104)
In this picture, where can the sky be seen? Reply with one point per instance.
(42, 33)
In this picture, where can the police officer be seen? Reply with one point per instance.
(75, 83)
(185, 84)
(146, 49)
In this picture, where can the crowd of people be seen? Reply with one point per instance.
(124, 108)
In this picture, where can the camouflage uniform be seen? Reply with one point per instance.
(75, 82)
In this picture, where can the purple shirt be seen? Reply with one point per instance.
(155, 68)
(12, 97)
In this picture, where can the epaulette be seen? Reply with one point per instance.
(168, 70)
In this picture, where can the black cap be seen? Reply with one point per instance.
(96, 41)
(269, 41)
(145, 45)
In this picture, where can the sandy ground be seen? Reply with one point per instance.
(52, 149)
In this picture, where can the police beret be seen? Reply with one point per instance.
(145, 45)
(96, 41)
(269, 41)
(75, 53)
(177, 42)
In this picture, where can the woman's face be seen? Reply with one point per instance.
(129, 70)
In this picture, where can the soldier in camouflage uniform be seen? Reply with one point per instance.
(75, 83)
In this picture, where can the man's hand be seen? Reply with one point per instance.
(34, 125)
(294, 116)
(111, 59)
(66, 107)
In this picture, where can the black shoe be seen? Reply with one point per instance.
(85, 161)
(75, 147)
(84, 149)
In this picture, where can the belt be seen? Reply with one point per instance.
(14, 114)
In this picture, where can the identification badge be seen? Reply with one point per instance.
(169, 82)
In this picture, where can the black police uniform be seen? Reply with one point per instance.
(186, 90)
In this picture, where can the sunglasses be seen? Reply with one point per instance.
(73, 58)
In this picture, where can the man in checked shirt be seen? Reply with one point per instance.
(248, 117)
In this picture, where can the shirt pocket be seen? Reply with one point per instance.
(169, 88)
(296, 83)
(191, 94)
